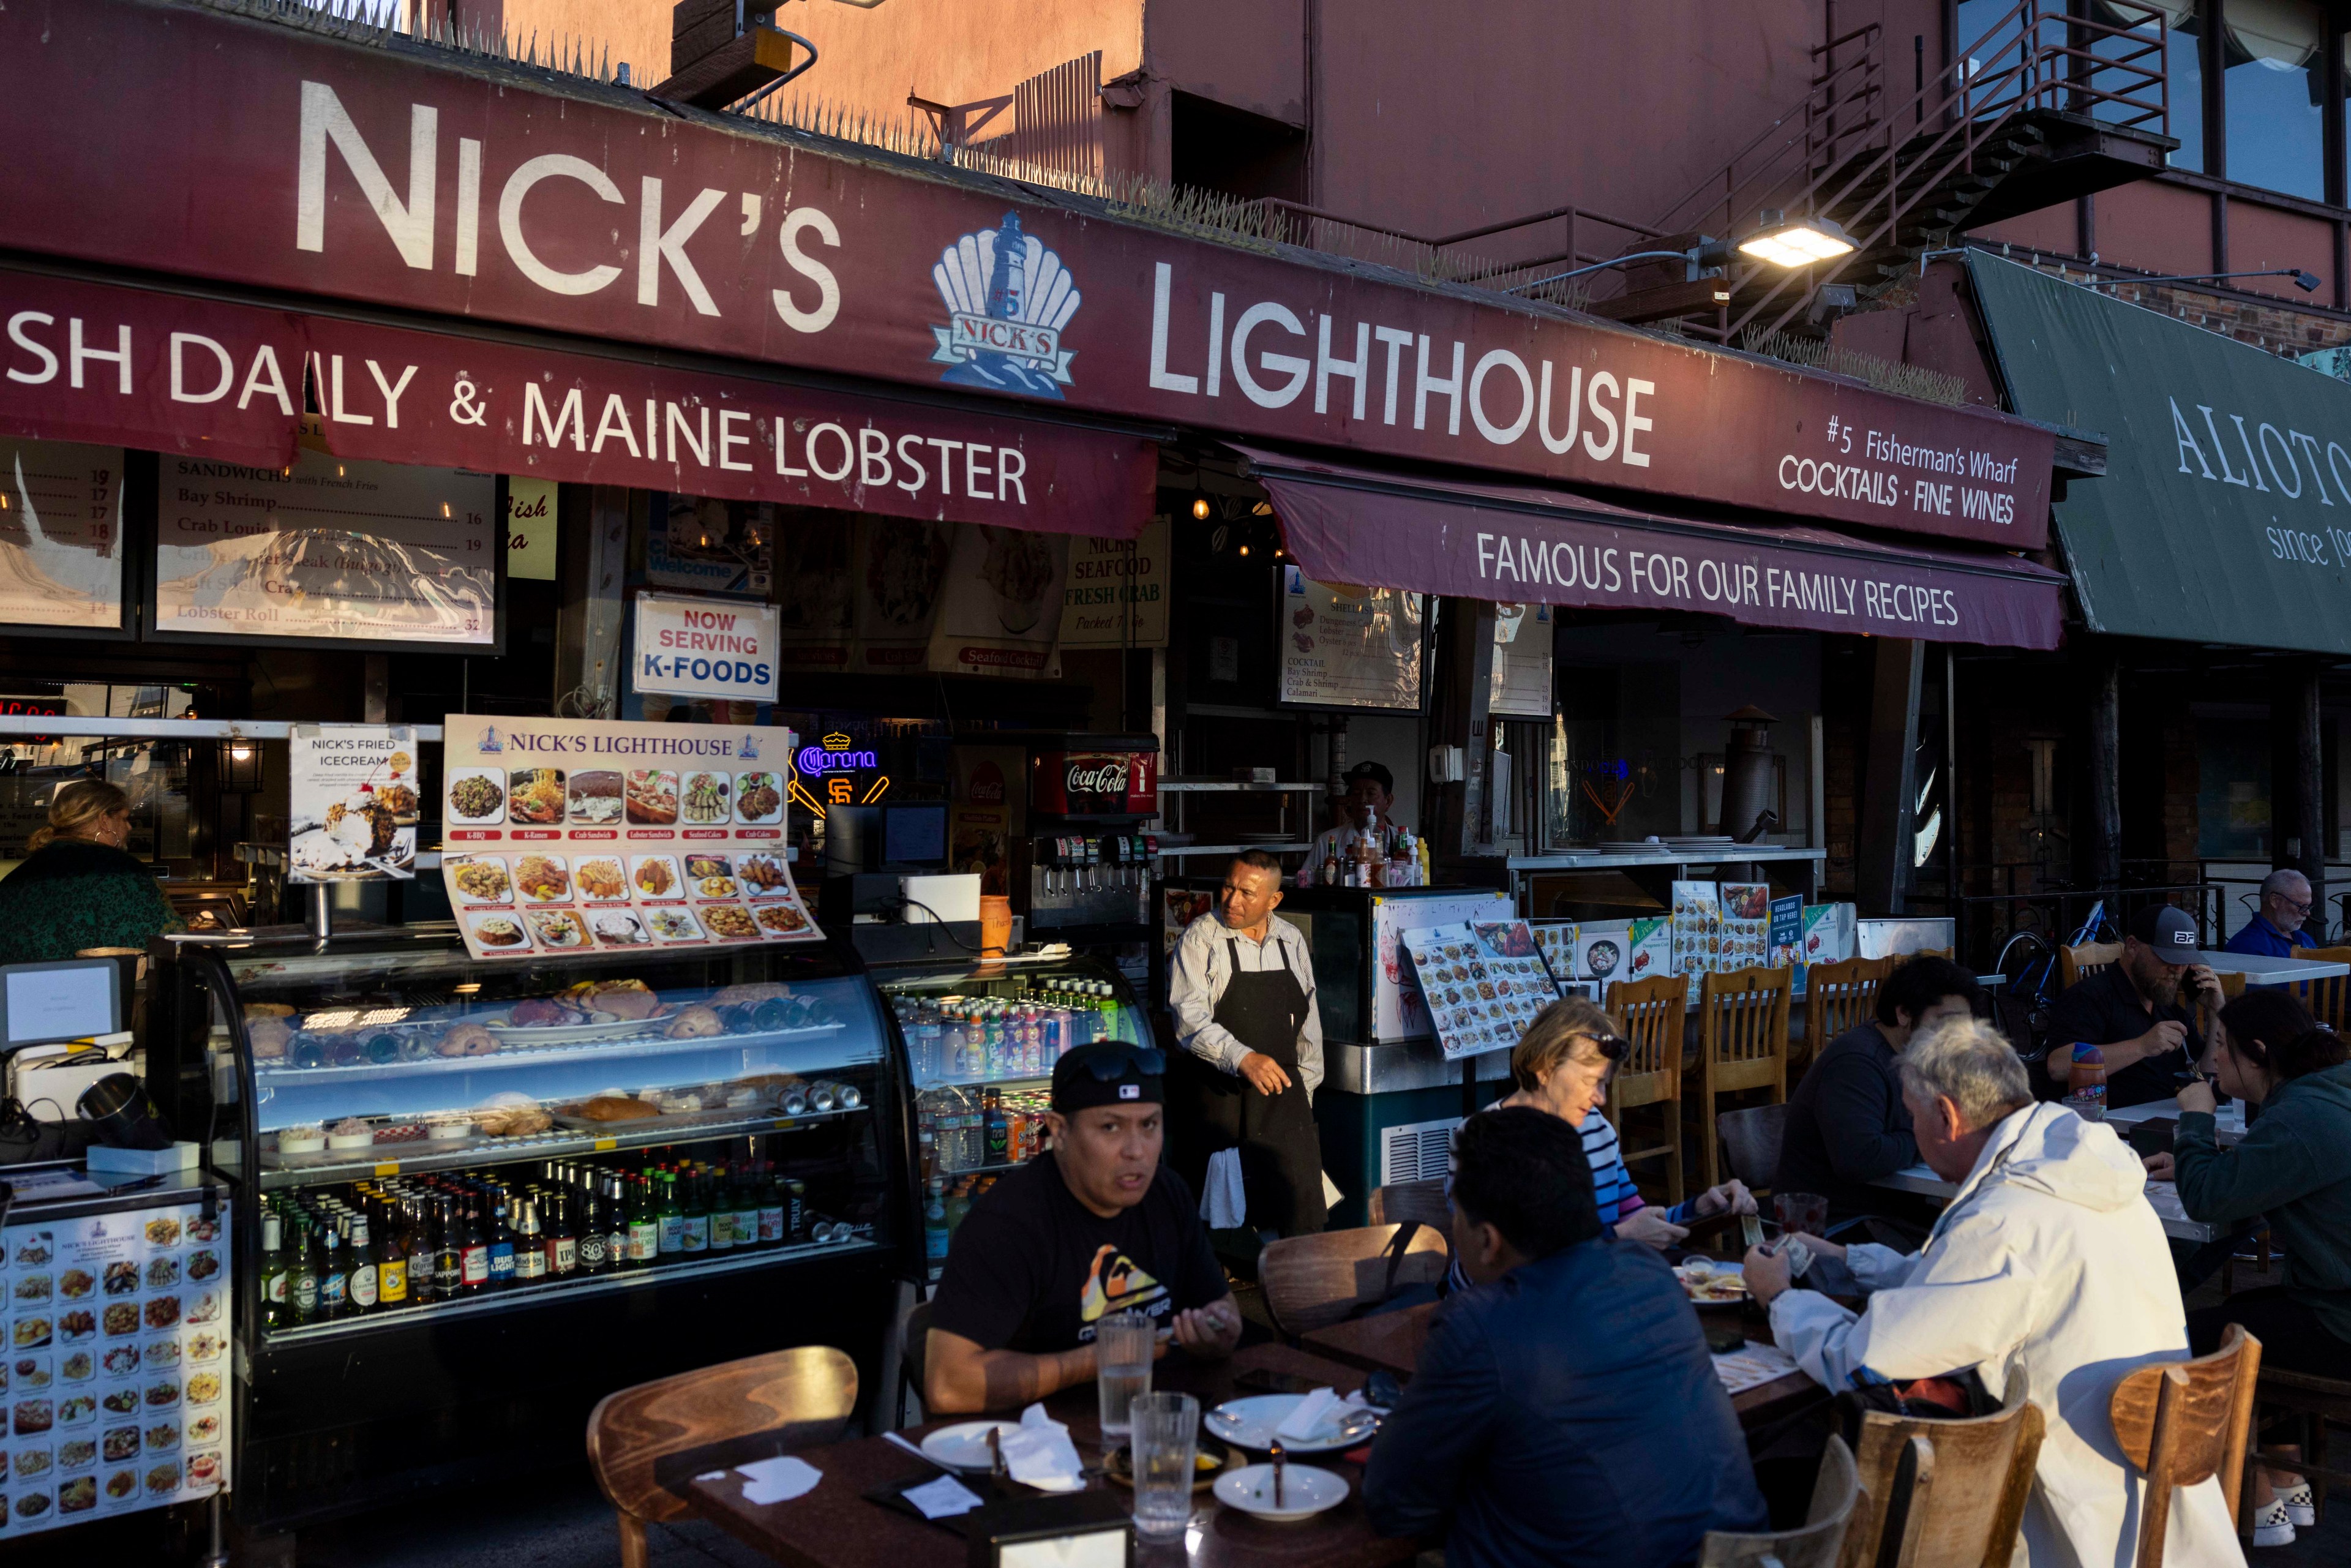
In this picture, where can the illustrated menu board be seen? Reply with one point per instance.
(1398, 1011)
(61, 535)
(118, 1371)
(1349, 647)
(1697, 930)
(1484, 983)
(565, 835)
(352, 803)
(1746, 924)
(332, 548)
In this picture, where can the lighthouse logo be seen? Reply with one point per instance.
(1008, 299)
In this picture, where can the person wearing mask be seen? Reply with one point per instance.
(1565, 1410)
(2292, 1167)
(1095, 1224)
(2047, 1275)
(77, 887)
(1241, 987)
(2132, 1011)
(1365, 813)
(2276, 928)
(1846, 1127)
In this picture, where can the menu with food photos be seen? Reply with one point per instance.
(568, 834)
(1482, 983)
(117, 1376)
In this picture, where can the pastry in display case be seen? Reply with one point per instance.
(980, 1042)
(641, 1158)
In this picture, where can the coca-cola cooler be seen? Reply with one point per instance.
(1079, 860)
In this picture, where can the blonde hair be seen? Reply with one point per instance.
(75, 808)
(1551, 1038)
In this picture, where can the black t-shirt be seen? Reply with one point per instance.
(1033, 1268)
(2105, 1009)
(1847, 1127)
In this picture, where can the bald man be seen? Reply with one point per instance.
(2276, 928)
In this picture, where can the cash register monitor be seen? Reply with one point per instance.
(69, 1000)
(914, 834)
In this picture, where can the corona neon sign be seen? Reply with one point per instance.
(840, 752)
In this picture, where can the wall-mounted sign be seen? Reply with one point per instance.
(1521, 682)
(61, 535)
(1115, 783)
(837, 772)
(566, 834)
(330, 548)
(1000, 609)
(352, 803)
(530, 528)
(711, 545)
(1117, 593)
(1349, 647)
(716, 648)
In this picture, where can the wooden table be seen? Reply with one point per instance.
(833, 1526)
(2162, 1195)
(1391, 1342)
(2261, 969)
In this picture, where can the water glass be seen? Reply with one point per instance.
(2089, 1107)
(1165, 1448)
(1123, 1346)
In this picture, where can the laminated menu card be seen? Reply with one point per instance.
(1697, 930)
(1523, 977)
(1746, 931)
(1467, 1003)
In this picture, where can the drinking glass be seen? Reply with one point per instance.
(1164, 1444)
(1123, 1346)
(1805, 1211)
(2089, 1107)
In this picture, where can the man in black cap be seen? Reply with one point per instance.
(1094, 1225)
(1371, 796)
(2132, 1010)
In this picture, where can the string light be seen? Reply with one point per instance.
(1200, 508)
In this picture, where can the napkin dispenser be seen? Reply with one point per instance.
(1068, 1530)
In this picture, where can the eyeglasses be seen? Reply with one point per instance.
(2295, 904)
(1615, 1048)
(1110, 1066)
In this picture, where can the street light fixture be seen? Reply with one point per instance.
(1801, 243)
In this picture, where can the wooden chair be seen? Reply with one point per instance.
(2317, 1401)
(1422, 1200)
(1652, 1013)
(1813, 1544)
(1750, 1143)
(645, 1443)
(1742, 1044)
(2232, 984)
(2324, 998)
(1943, 1494)
(1839, 995)
(1314, 1281)
(2182, 1422)
(914, 1349)
(2074, 963)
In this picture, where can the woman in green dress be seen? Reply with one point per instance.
(78, 888)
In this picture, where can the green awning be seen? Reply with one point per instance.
(2224, 515)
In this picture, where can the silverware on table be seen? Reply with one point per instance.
(1281, 1459)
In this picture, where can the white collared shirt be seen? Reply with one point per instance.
(1203, 965)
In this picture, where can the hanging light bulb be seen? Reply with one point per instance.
(1200, 508)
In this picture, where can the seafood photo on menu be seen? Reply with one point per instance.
(652, 798)
(535, 794)
(758, 798)
(705, 797)
(596, 796)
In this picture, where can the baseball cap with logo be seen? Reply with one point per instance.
(2169, 930)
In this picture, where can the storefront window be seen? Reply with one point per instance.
(2232, 798)
(2272, 91)
(1992, 53)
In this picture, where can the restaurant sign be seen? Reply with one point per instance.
(716, 649)
(409, 181)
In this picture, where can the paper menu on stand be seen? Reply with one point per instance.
(117, 1331)
(1557, 938)
(1465, 1002)
(1784, 947)
(1522, 977)
(1697, 930)
(1745, 933)
(1649, 949)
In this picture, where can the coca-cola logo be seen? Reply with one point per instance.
(1096, 775)
(986, 785)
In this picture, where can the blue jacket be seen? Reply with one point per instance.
(1566, 1414)
(2260, 939)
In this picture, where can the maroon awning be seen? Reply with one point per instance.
(1516, 544)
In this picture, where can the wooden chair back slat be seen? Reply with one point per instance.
(2324, 998)
(1838, 996)
(1742, 1044)
(2183, 1421)
(1314, 1281)
(1957, 1505)
(1422, 1200)
(1652, 1013)
(2074, 963)
(645, 1442)
(1812, 1544)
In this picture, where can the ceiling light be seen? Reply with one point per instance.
(1200, 507)
(1800, 243)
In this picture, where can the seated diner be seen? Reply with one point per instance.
(1097, 1224)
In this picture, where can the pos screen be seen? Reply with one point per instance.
(914, 834)
(64, 1000)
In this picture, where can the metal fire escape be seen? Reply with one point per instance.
(2053, 102)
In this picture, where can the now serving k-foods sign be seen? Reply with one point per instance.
(267, 156)
(705, 648)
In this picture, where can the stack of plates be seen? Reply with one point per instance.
(1630, 847)
(1700, 841)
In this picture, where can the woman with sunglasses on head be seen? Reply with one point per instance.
(2293, 1166)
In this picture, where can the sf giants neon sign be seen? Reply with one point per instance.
(812, 763)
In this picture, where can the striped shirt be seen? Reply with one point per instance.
(1611, 1185)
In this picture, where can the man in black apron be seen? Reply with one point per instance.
(1242, 989)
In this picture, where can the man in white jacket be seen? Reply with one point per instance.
(2048, 1270)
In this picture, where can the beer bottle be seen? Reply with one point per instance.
(562, 1238)
(334, 1280)
(304, 1292)
(274, 1273)
(361, 1277)
(474, 1250)
(693, 1221)
(529, 1243)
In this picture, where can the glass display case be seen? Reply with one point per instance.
(981, 1040)
(506, 1190)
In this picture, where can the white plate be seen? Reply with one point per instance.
(963, 1446)
(1721, 1271)
(1251, 1422)
(1305, 1492)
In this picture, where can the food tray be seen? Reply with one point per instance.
(514, 1053)
(708, 1114)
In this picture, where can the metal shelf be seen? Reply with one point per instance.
(535, 1055)
(1232, 787)
(924, 1085)
(167, 728)
(1595, 860)
(1171, 851)
(569, 1287)
(549, 1144)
